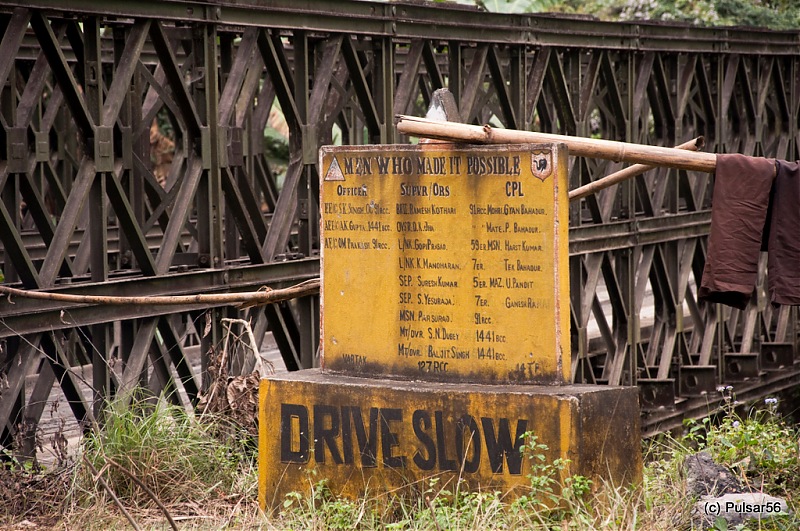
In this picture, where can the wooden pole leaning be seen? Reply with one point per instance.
(624, 174)
(582, 147)
(243, 299)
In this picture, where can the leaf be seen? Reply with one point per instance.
(207, 329)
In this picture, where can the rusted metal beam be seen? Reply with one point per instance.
(636, 247)
(27, 316)
(66, 80)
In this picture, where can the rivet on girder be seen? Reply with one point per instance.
(222, 146)
(104, 149)
(17, 149)
(42, 146)
(205, 147)
(235, 146)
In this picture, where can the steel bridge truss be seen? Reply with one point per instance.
(82, 211)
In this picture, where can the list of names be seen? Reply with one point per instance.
(445, 265)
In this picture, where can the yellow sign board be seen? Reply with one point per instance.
(446, 263)
(366, 436)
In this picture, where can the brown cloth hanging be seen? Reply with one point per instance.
(739, 211)
(783, 243)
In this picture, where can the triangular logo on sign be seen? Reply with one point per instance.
(334, 172)
(541, 164)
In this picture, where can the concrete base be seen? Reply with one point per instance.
(379, 436)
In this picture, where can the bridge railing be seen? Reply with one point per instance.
(85, 209)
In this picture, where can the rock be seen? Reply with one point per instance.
(737, 508)
(722, 495)
(704, 477)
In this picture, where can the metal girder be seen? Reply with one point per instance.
(66, 80)
(628, 234)
(26, 316)
(174, 76)
(92, 206)
(411, 20)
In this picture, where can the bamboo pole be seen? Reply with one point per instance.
(246, 299)
(627, 173)
(582, 147)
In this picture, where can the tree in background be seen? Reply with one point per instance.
(773, 14)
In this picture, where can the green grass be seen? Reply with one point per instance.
(167, 450)
(759, 446)
(157, 460)
(203, 473)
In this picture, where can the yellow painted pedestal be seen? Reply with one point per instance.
(366, 435)
(444, 331)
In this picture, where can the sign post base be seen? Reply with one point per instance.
(380, 436)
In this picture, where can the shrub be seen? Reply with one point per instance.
(172, 454)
